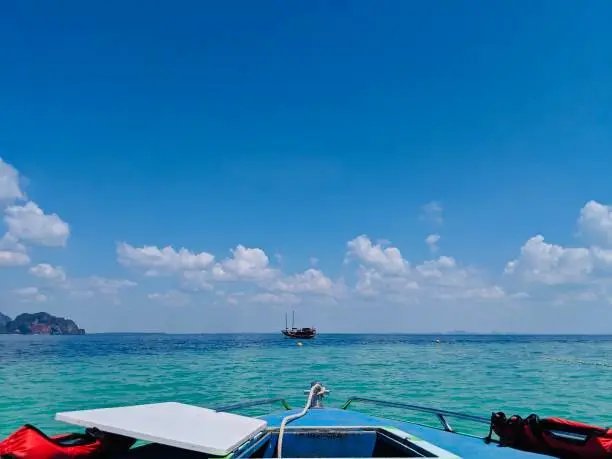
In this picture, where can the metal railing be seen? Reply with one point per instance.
(440, 414)
(252, 403)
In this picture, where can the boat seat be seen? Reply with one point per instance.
(174, 424)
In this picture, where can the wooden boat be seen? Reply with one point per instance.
(298, 333)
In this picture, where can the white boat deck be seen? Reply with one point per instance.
(174, 424)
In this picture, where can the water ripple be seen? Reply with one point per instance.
(560, 375)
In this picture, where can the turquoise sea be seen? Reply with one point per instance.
(568, 376)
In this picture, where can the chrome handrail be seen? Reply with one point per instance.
(266, 401)
(441, 414)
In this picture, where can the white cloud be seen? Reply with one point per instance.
(310, 281)
(596, 221)
(9, 259)
(552, 264)
(571, 274)
(9, 183)
(171, 298)
(386, 259)
(25, 223)
(158, 261)
(443, 271)
(385, 273)
(373, 283)
(368, 281)
(273, 298)
(445, 278)
(28, 223)
(12, 253)
(432, 212)
(432, 241)
(197, 280)
(80, 287)
(493, 292)
(252, 265)
(30, 294)
(11, 243)
(46, 271)
(542, 271)
(245, 264)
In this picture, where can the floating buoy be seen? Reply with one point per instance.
(299, 343)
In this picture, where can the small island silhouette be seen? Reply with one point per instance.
(39, 323)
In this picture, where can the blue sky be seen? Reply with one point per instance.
(301, 153)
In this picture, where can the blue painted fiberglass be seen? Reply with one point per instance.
(453, 444)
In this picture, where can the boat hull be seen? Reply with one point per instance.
(313, 432)
(299, 334)
(463, 446)
(320, 420)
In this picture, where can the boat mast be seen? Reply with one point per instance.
(285, 321)
(293, 320)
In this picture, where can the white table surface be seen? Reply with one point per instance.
(173, 424)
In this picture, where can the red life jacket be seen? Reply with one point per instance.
(553, 436)
(28, 442)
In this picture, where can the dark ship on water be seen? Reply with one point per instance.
(298, 333)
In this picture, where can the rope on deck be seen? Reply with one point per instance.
(316, 389)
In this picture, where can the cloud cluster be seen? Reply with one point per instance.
(595, 222)
(383, 273)
(27, 225)
(432, 241)
(245, 268)
(158, 261)
(25, 222)
(10, 189)
(12, 253)
(385, 259)
(373, 269)
(579, 273)
(46, 271)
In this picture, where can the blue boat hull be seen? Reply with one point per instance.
(464, 446)
(358, 446)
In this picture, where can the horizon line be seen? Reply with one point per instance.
(360, 333)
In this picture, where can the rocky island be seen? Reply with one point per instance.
(40, 323)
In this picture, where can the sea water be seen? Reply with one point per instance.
(569, 376)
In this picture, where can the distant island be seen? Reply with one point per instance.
(40, 323)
